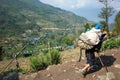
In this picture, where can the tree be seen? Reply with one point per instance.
(87, 27)
(106, 12)
(117, 24)
(103, 25)
(67, 41)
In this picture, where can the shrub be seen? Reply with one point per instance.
(55, 57)
(38, 62)
(41, 61)
(111, 43)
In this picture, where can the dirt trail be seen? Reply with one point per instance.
(69, 69)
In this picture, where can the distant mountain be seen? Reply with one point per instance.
(16, 16)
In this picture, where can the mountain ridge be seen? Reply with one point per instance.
(16, 16)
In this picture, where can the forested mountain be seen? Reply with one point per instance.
(16, 16)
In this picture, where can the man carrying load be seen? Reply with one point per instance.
(90, 41)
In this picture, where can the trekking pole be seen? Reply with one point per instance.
(102, 62)
(80, 54)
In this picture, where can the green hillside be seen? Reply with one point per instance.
(17, 16)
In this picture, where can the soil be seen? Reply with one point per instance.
(70, 67)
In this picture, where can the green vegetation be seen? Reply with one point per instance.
(33, 15)
(116, 30)
(42, 60)
(67, 41)
(111, 43)
(23, 21)
(106, 12)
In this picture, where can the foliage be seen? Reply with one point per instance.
(103, 26)
(55, 57)
(38, 62)
(117, 24)
(41, 61)
(67, 40)
(5, 58)
(106, 12)
(111, 43)
(87, 27)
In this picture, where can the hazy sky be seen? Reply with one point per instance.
(86, 8)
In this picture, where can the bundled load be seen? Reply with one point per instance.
(90, 38)
(83, 42)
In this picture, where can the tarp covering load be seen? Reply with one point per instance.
(84, 42)
(90, 38)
